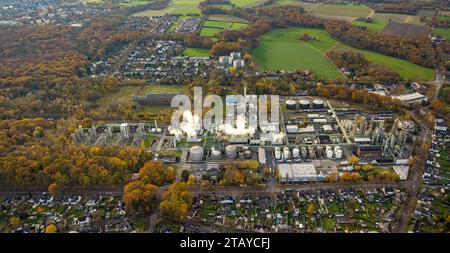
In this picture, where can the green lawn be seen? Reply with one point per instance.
(403, 67)
(209, 31)
(237, 26)
(347, 10)
(227, 18)
(217, 24)
(281, 50)
(190, 51)
(247, 3)
(444, 32)
(181, 7)
(377, 25)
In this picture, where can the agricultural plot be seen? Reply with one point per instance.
(247, 3)
(180, 7)
(134, 2)
(306, 5)
(227, 18)
(376, 25)
(212, 27)
(395, 28)
(342, 10)
(401, 18)
(404, 68)
(282, 50)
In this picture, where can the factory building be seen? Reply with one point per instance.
(370, 152)
(402, 171)
(412, 99)
(298, 172)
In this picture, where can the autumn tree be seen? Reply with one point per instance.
(177, 201)
(50, 229)
(140, 196)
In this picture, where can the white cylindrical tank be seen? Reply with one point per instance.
(196, 153)
(248, 154)
(329, 152)
(318, 104)
(231, 151)
(295, 152)
(277, 154)
(304, 104)
(291, 104)
(338, 153)
(312, 153)
(216, 155)
(286, 153)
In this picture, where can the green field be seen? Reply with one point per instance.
(209, 31)
(135, 2)
(227, 18)
(281, 50)
(402, 18)
(404, 68)
(346, 10)
(212, 27)
(246, 3)
(444, 32)
(181, 7)
(217, 24)
(192, 52)
(377, 25)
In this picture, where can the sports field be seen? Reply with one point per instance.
(181, 7)
(191, 51)
(281, 50)
(404, 68)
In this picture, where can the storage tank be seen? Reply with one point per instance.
(231, 152)
(329, 152)
(286, 153)
(318, 104)
(338, 153)
(319, 151)
(304, 104)
(304, 152)
(291, 104)
(196, 153)
(277, 153)
(312, 153)
(296, 153)
(216, 155)
(248, 154)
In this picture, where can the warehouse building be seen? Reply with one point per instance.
(298, 172)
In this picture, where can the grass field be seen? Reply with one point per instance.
(228, 18)
(377, 25)
(212, 27)
(181, 7)
(347, 10)
(281, 50)
(246, 3)
(210, 31)
(404, 68)
(135, 2)
(444, 32)
(192, 52)
(217, 24)
(402, 18)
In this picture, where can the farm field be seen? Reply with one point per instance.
(227, 18)
(346, 10)
(404, 68)
(377, 25)
(180, 7)
(402, 18)
(247, 3)
(212, 27)
(395, 28)
(135, 2)
(306, 5)
(281, 50)
(190, 51)
(444, 32)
